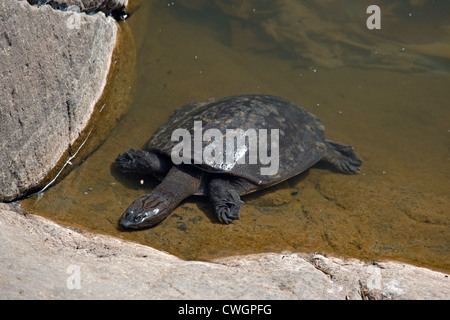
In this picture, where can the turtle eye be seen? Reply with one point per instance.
(140, 217)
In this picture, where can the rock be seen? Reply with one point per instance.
(53, 69)
(42, 260)
(87, 6)
(383, 280)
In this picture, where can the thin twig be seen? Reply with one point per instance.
(65, 164)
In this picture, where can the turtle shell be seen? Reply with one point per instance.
(301, 135)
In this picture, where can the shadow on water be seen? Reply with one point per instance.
(385, 92)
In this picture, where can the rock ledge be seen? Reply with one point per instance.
(42, 260)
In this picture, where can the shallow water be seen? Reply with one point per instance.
(394, 112)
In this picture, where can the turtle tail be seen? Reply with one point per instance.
(343, 157)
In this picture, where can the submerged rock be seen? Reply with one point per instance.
(334, 34)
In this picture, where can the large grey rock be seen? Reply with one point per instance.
(42, 260)
(53, 69)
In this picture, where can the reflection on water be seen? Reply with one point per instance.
(390, 104)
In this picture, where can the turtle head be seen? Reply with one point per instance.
(145, 212)
(151, 209)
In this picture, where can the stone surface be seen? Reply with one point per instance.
(42, 260)
(53, 69)
(87, 6)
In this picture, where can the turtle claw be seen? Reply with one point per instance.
(126, 161)
(228, 210)
(343, 157)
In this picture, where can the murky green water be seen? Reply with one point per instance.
(386, 92)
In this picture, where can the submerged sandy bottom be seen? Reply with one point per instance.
(396, 208)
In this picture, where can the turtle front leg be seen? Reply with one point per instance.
(141, 161)
(225, 196)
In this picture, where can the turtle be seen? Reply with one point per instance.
(300, 144)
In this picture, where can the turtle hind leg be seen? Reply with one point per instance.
(343, 157)
(141, 161)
